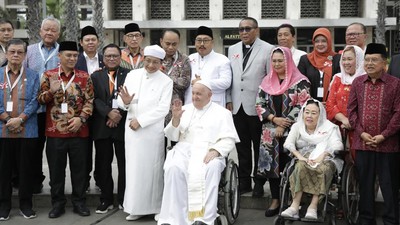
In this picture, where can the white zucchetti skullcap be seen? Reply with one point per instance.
(155, 51)
(205, 83)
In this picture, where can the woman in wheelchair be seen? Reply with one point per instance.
(312, 140)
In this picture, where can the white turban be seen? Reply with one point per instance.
(155, 51)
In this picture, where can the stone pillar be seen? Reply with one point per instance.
(331, 9)
(177, 10)
(254, 9)
(293, 9)
(140, 10)
(216, 9)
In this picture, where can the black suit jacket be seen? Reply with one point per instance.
(81, 63)
(103, 105)
(312, 73)
(394, 66)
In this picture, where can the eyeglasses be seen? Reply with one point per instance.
(245, 29)
(112, 56)
(372, 60)
(205, 41)
(353, 34)
(131, 36)
(13, 52)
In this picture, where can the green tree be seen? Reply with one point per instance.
(33, 21)
(70, 20)
(380, 22)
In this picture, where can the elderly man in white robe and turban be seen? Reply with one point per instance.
(205, 134)
(146, 95)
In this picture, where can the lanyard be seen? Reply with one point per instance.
(137, 62)
(49, 57)
(16, 81)
(173, 64)
(62, 82)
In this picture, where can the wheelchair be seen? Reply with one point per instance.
(228, 195)
(349, 195)
(326, 207)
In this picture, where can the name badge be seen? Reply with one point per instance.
(64, 108)
(320, 93)
(9, 106)
(114, 104)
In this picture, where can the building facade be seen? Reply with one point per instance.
(223, 16)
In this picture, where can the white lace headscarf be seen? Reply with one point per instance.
(346, 78)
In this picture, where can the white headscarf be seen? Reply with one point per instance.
(322, 135)
(345, 78)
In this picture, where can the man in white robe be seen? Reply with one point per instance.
(146, 96)
(209, 66)
(192, 171)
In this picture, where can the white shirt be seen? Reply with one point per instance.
(92, 63)
(214, 68)
(296, 54)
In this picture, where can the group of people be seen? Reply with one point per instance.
(271, 103)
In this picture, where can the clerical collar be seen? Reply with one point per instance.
(247, 46)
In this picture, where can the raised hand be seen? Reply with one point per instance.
(125, 96)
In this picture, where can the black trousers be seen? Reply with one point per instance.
(57, 150)
(386, 166)
(249, 131)
(20, 149)
(37, 156)
(104, 157)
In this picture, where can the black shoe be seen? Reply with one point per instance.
(37, 189)
(82, 210)
(198, 223)
(56, 212)
(27, 213)
(104, 207)
(258, 190)
(272, 212)
(4, 215)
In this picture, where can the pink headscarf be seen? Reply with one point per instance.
(271, 84)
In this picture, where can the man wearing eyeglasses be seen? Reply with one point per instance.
(249, 63)
(356, 34)
(132, 56)
(108, 127)
(209, 66)
(6, 34)
(18, 128)
(374, 113)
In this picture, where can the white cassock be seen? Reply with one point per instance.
(144, 148)
(214, 68)
(190, 185)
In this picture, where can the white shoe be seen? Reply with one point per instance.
(133, 217)
(290, 213)
(156, 217)
(311, 214)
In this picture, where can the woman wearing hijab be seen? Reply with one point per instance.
(352, 66)
(312, 140)
(281, 95)
(317, 65)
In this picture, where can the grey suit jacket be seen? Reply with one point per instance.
(246, 81)
(394, 66)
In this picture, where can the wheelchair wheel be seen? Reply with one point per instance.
(221, 220)
(279, 221)
(350, 196)
(231, 192)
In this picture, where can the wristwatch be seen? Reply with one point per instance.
(83, 119)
